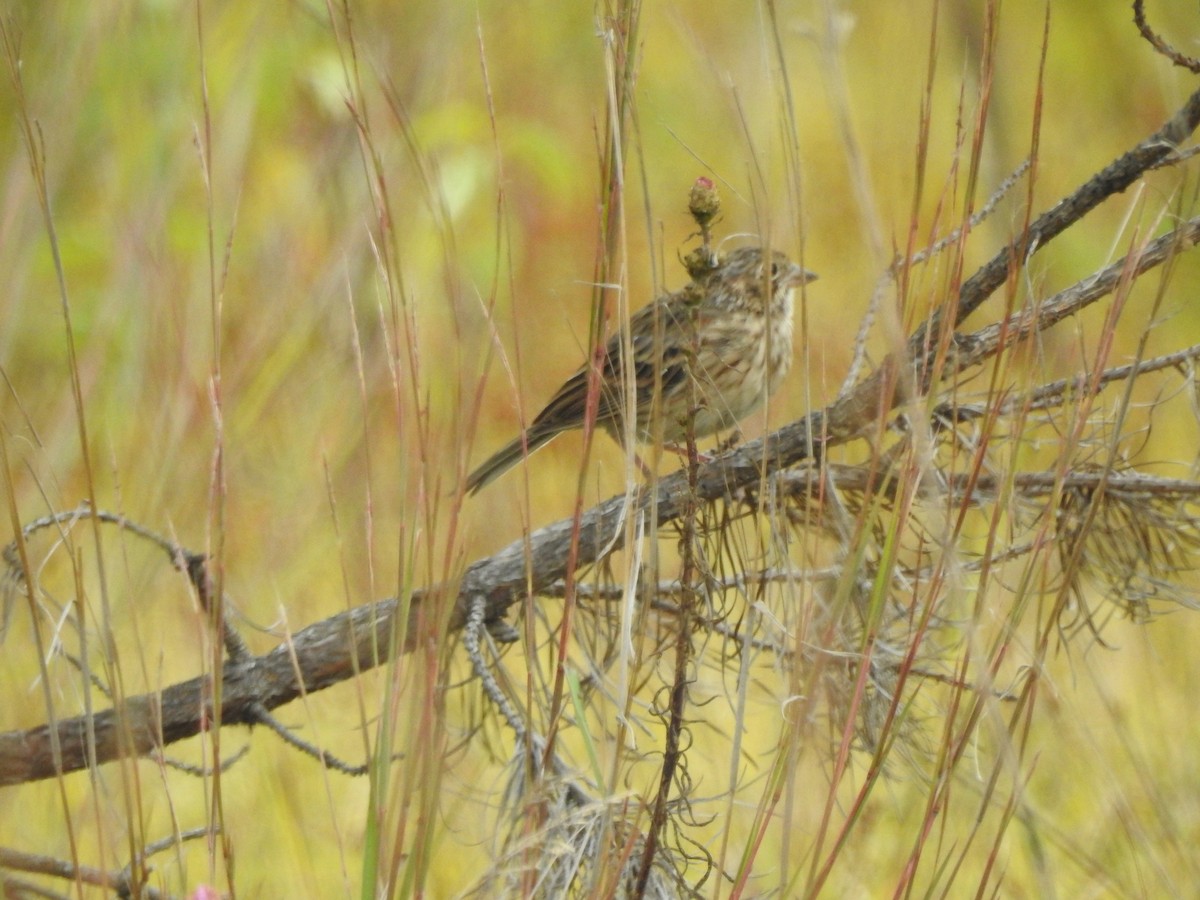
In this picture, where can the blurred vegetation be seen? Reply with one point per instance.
(206, 175)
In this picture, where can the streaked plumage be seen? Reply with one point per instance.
(722, 321)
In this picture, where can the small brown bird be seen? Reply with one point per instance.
(731, 328)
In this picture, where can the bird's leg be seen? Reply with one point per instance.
(682, 450)
(735, 438)
(729, 443)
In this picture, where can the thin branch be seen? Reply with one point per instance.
(1156, 41)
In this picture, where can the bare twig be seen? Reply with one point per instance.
(1156, 41)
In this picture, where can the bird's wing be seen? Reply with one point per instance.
(567, 407)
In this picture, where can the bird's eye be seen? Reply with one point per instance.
(774, 270)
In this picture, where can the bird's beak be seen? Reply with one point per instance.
(801, 276)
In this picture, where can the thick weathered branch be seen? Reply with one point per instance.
(325, 653)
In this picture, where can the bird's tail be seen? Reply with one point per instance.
(508, 456)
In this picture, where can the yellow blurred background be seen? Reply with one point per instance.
(205, 157)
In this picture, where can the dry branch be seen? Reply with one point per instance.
(338, 648)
